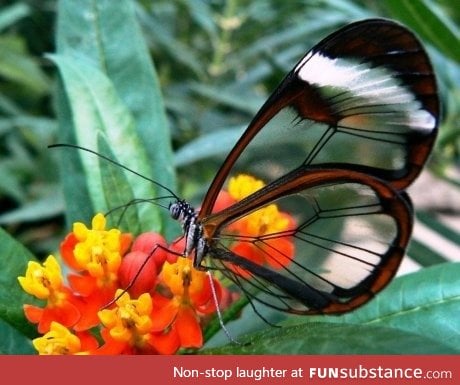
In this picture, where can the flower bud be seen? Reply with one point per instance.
(137, 273)
(151, 243)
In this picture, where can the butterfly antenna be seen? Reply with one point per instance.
(219, 314)
(136, 201)
(57, 145)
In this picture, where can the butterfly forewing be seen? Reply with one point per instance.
(344, 240)
(364, 98)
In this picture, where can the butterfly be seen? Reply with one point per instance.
(339, 140)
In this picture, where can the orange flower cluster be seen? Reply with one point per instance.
(145, 301)
(125, 296)
(272, 227)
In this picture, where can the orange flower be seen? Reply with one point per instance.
(263, 224)
(224, 200)
(45, 282)
(60, 341)
(96, 251)
(96, 254)
(126, 325)
(177, 316)
(129, 325)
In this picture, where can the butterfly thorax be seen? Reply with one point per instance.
(192, 228)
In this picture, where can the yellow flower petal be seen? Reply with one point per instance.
(171, 274)
(59, 340)
(98, 223)
(53, 271)
(80, 231)
(242, 185)
(108, 317)
(42, 281)
(121, 333)
(130, 320)
(267, 220)
(98, 250)
(123, 298)
(144, 304)
(181, 275)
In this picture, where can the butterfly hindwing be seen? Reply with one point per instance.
(343, 242)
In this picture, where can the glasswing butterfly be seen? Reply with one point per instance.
(338, 141)
(346, 131)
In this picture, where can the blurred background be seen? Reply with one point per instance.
(217, 61)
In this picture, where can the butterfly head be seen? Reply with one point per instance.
(180, 210)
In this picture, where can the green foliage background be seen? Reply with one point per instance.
(82, 72)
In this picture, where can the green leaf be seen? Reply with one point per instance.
(79, 206)
(117, 190)
(14, 264)
(417, 308)
(226, 98)
(175, 48)
(14, 342)
(10, 14)
(9, 183)
(426, 303)
(97, 110)
(433, 223)
(105, 36)
(332, 338)
(47, 207)
(423, 254)
(429, 22)
(202, 13)
(17, 66)
(212, 144)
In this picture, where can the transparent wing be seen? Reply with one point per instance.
(364, 98)
(322, 241)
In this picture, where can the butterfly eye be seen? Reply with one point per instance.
(175, 210)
